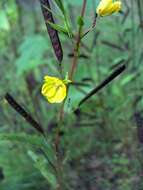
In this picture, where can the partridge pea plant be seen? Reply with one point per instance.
(51, 162)
(54, 89)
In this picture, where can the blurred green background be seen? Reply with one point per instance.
(101, 144)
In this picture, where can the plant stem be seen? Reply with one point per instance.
(61, 113)
(77, 44)
(75, 57)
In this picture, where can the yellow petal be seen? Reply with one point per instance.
(116, 6)
(48, 78)
(103, 6)
(107, 7)
(59, 95)
(53, 89)
(51, 92)
(45, 88)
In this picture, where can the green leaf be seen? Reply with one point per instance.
(22, 138)
(4, 24)
(128, 79)
(33, 140)
(80, 21)
(60, 5)
(58, 27)
(67, 24)
(31, 53)
(41, 164)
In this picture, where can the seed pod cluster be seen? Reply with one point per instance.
(45, 5)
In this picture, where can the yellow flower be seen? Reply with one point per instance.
(107, 7)
(54, 89)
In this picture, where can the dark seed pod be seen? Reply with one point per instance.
(23, 113)
(45, 5)
(105, 82)
(1, 174)
(139, 123)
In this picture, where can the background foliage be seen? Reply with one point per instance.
(100, 145)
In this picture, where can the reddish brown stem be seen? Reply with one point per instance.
(77, 44)
(61, 114)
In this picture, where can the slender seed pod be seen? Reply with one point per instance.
(23, 113)
(45, 6)
(113, 75)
